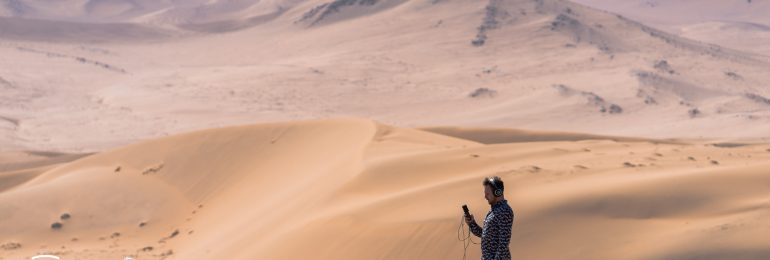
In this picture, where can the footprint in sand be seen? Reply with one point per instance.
(10, 246)
(167, 253)
(173, 234)
(531, 168)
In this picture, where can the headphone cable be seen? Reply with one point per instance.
(466, 239)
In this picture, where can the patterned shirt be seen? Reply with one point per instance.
(496, 234)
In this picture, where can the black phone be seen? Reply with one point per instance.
(465, 209)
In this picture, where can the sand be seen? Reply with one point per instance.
(289, 129)
(357, 189)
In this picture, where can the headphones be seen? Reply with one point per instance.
(498, 191)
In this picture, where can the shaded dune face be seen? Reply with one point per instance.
(357, 189)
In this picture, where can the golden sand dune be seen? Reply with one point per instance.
(357, 189)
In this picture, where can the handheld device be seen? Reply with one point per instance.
(465, 209)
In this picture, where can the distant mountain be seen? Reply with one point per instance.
(740, 24)
(536, 64)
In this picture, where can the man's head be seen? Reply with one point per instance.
(493, 189)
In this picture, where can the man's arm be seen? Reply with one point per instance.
(475, 228)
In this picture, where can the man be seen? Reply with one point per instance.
(496, 234)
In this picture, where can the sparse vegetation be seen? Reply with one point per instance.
(490, 22)
(322, 11)
(733, 75)
(614, 109)
(483, 93)
(693, 112)
(649, 100)
(57, 225)
(592, 98)
(563, 20)
(78, 59)
(758, 98)
(663, 66)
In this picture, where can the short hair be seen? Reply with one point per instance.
(494, 182)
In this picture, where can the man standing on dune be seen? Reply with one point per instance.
(496, 234)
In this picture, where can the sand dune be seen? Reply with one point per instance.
(19, 167)
(617, 138)
(357, 189)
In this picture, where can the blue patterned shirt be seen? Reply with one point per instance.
(496, 234)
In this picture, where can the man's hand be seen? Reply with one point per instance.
(469, 219)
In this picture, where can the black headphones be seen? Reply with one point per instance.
(498, 191)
